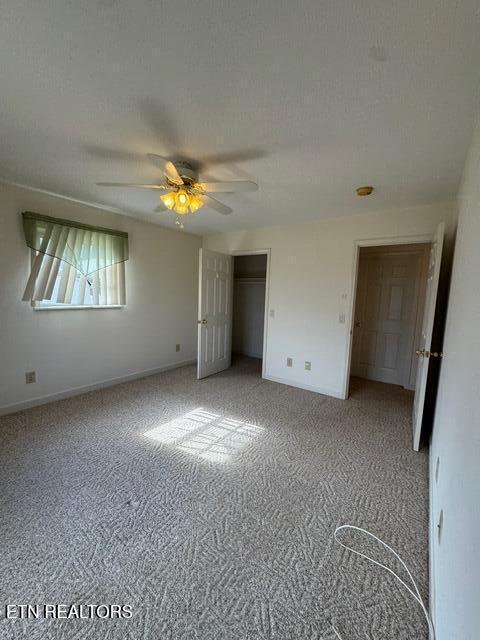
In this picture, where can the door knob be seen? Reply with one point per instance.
(424, 353)
(358, 324)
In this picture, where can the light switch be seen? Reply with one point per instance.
(272, 313)
(341, 318)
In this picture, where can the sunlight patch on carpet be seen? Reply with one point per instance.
(208, 435)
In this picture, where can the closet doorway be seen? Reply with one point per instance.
(249, 304)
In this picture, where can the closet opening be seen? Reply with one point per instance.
(248, 322)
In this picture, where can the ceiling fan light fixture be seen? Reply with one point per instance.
(195, 203)
(168, 200)
(181, 210)
(182, 198)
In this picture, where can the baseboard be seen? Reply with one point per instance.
(307, 387)
(75, 391)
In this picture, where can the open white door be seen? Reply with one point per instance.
(214, 313)
(423, 351)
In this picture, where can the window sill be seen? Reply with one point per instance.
(72, 307)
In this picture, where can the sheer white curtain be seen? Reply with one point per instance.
(75, 264)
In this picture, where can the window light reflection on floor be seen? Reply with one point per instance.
(208, 435)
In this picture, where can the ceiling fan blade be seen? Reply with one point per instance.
(172, 173)
(132, 184)
(229, 187)
(158, 161)
(166, 166)
(215, 204)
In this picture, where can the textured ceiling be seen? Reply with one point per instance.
(309, 98)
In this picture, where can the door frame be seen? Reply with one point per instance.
(357, 245)
(255, 252)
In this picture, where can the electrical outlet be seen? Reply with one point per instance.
(30, 377)
(177, 347)
(289, 362)
(308, 365)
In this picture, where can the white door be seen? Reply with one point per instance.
(424, 349)
(385, 313)
(214, 312)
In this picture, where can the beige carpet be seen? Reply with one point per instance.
(208, 507)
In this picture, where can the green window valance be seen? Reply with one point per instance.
(87, 248)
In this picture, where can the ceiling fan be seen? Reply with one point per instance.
(183, 193)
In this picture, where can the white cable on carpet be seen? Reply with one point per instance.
(414, 593)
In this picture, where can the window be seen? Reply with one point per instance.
(74, 265)
(104, 288)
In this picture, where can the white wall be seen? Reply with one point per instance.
(311, 284)
(456, 432)
(76, 348)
